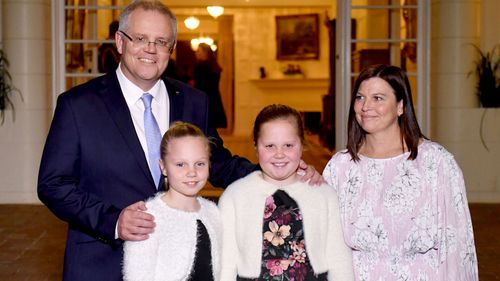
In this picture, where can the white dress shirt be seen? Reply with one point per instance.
(160, 105)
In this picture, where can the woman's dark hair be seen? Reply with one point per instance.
(178, 130)
(408, 124)
(211, 58)
(274, 112)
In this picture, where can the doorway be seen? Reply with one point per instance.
(221, 31)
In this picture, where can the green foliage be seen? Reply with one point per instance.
(487, 71)
(6, 88)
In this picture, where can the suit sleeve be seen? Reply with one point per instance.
(59, 179)
(225, 167)
(192, 105)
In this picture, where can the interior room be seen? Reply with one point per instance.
(304, 54)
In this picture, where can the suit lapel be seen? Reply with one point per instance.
(116, 105)
(176, 99)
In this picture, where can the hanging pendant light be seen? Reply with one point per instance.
(203, 39)
(215, 11)
(192, 23)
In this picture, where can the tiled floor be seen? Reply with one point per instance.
(32, 239)
(32, 242)
(486, 223)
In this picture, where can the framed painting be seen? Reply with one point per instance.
(297, 37)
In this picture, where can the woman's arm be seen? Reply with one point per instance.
(457, 252)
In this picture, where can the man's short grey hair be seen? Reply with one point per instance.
(156, 6)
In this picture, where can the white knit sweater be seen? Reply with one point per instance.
(242, 208)
(169, 252)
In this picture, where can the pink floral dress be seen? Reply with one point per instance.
(405, 219)
(284, 255)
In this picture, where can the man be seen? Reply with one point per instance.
(96, 167)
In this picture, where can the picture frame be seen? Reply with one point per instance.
(297, 37)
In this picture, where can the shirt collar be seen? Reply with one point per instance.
(131, 92)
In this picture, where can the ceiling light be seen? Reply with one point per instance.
(203, 39)
(215, 11)
(192, 23)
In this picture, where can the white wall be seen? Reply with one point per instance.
(254, 30)
(459, 131)
(489, 23)
(28, 48)
(255, 46)
(456, 116)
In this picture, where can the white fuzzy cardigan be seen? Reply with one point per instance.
(242, 209)
(169, 252)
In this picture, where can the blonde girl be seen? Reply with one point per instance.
(184, 245)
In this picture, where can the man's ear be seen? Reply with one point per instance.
(173, 47)
(119, 42)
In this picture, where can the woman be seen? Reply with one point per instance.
(206, 78)
(402, 197)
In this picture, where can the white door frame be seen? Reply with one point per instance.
(344, 69)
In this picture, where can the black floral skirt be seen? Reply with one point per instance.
(284, 255)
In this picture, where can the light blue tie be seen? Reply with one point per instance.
(153, 138)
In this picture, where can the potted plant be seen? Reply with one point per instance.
(487, 71)
(6, 88)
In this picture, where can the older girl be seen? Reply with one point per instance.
(276, 227)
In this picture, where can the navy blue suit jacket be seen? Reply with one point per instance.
(93, 166)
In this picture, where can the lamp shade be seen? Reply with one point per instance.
(192, 23)
(215, 11)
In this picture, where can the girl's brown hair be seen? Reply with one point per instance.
(278, 111)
